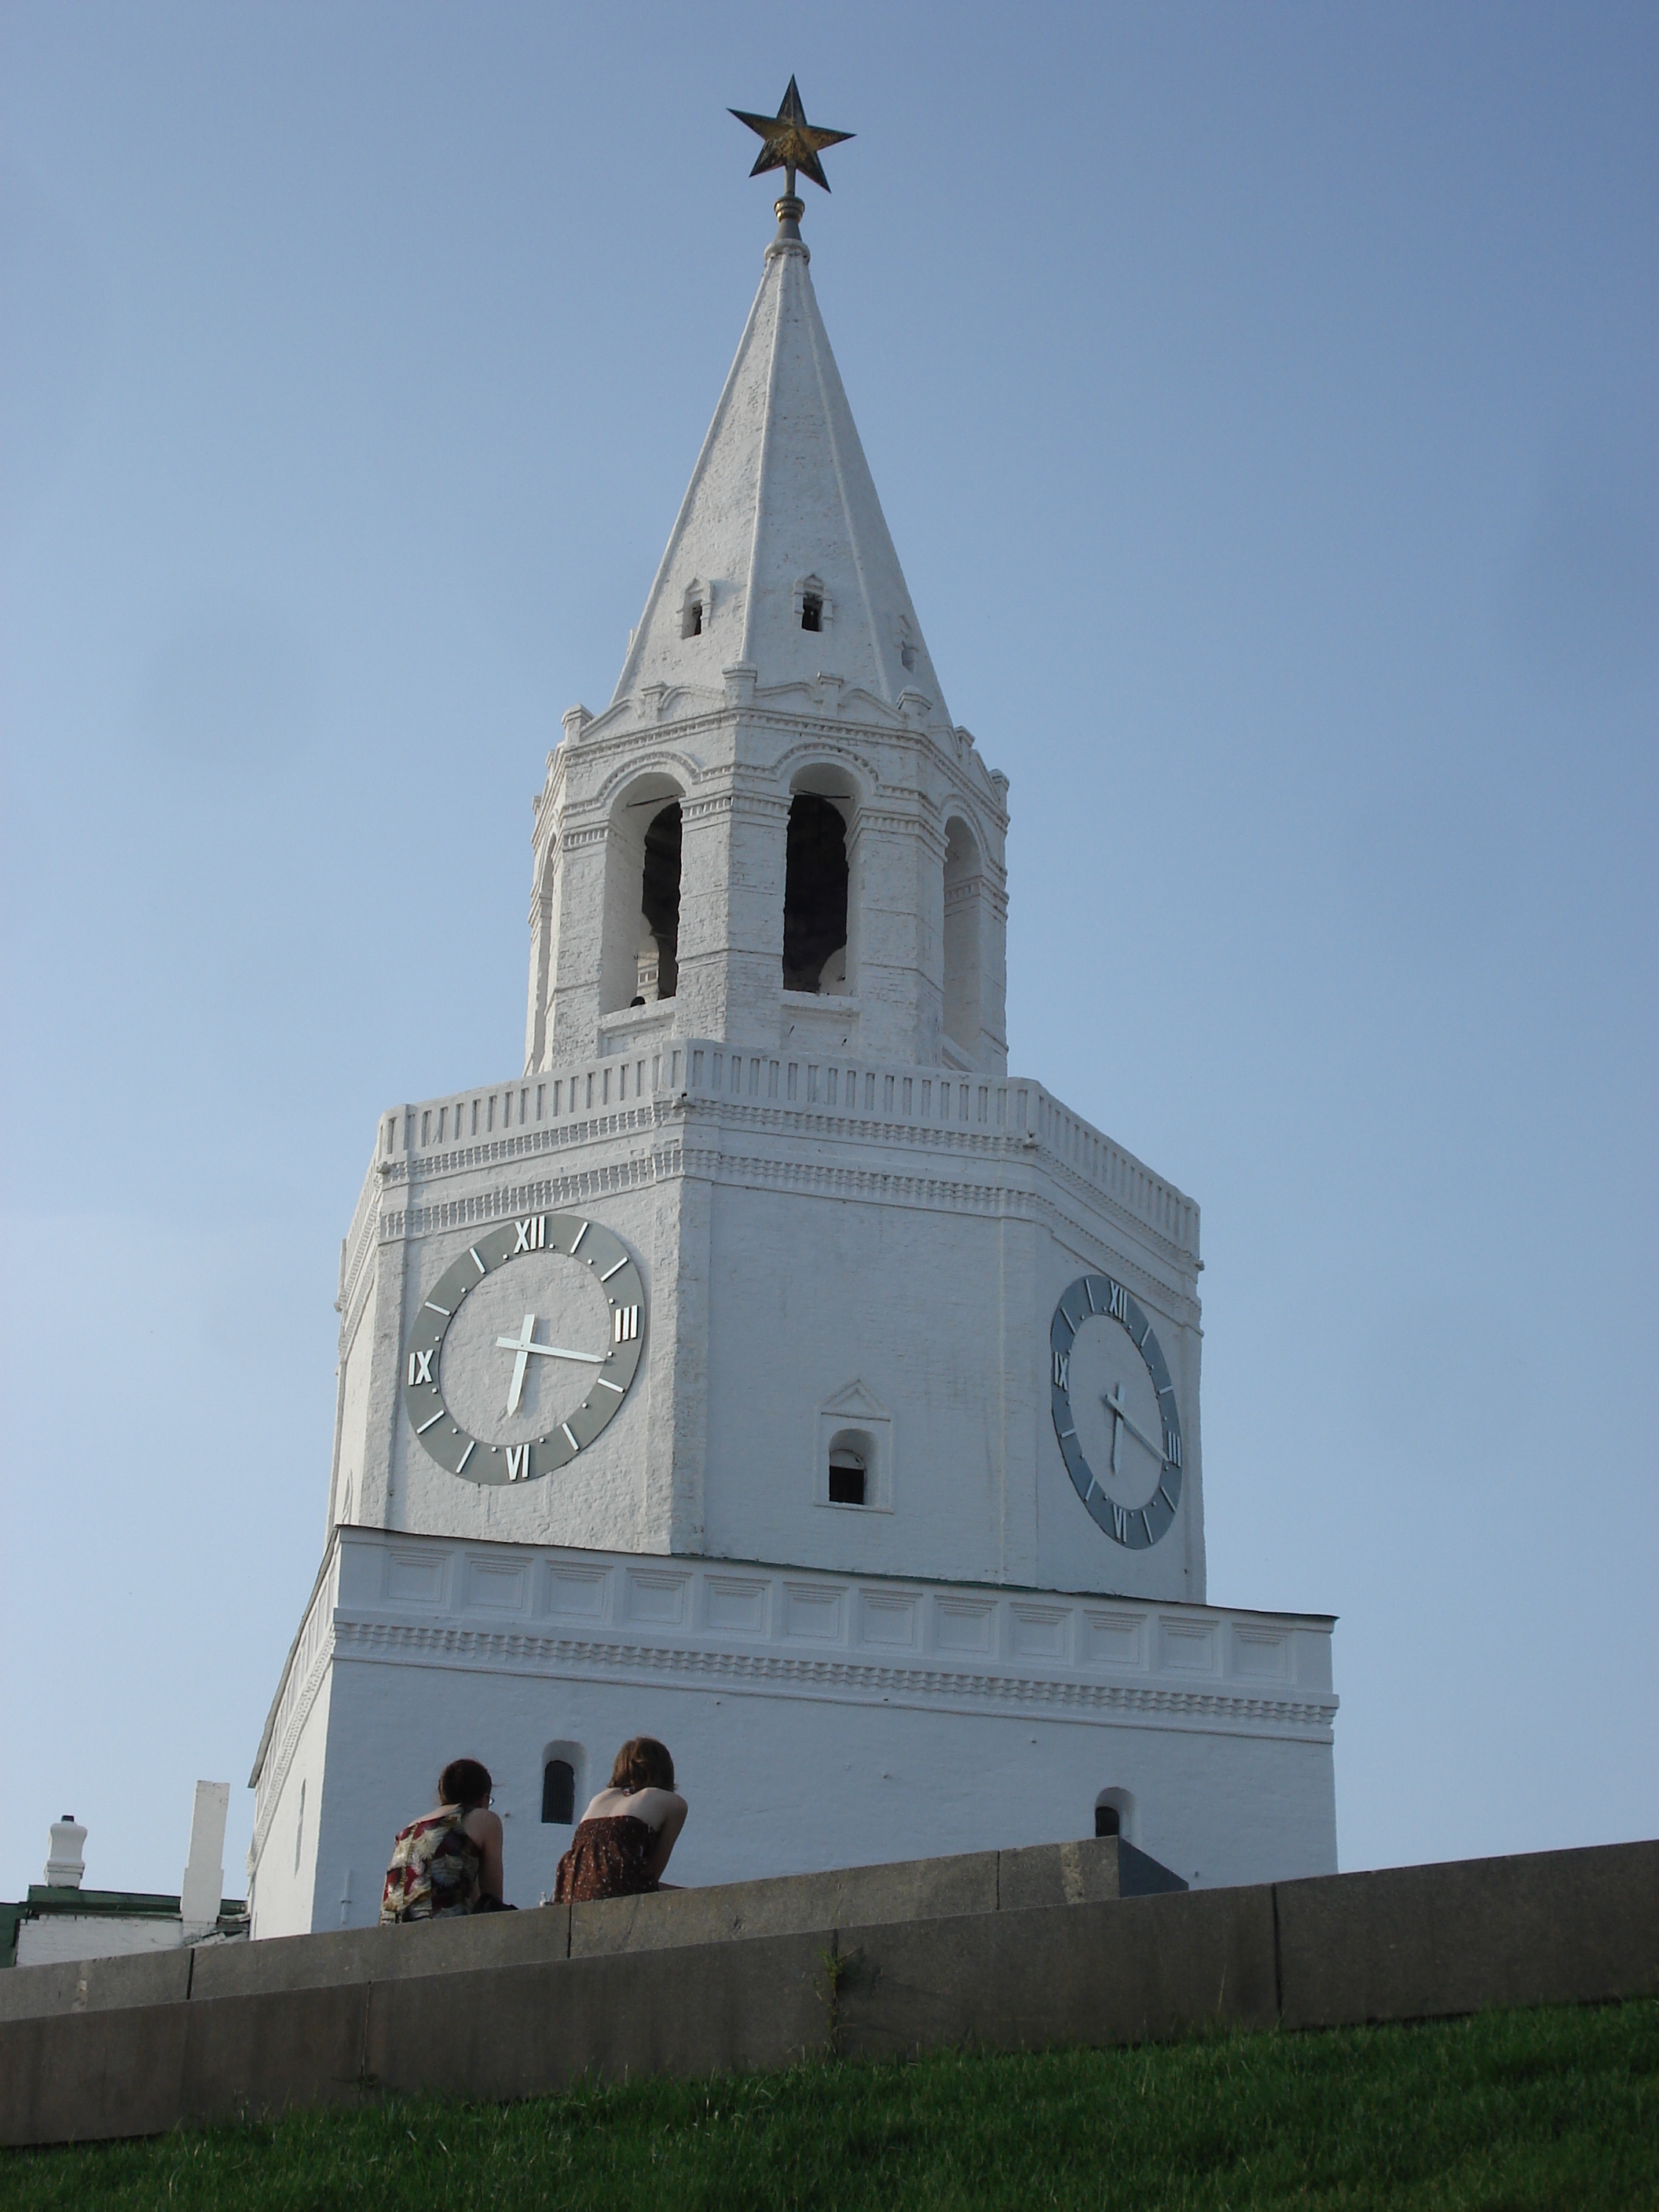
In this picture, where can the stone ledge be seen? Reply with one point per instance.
(1414, 1942)
(1009, 1950)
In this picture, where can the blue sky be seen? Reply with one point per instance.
(1261, 400)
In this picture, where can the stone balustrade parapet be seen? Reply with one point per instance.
(806, 1092)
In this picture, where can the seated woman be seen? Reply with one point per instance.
(449, 1861)
(627, 1833)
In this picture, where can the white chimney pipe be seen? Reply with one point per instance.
(64, 1863)
(204, 1875)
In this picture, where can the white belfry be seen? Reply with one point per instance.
(835, 1416)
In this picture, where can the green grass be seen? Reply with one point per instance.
(1508, 2110)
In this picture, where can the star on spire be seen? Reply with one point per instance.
(790, 142)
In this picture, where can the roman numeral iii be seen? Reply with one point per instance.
(628, 1324)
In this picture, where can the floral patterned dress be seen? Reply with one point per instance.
(434, 1875)
(606, 1858)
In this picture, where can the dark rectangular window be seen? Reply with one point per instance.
(811, 611)
(846, 1486)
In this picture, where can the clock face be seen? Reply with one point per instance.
(1114, 1411)
(523, 1349)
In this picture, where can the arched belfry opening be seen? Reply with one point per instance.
(659, 899)
(639, 955)
(964, 900)
(815, 903)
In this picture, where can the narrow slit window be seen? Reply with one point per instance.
(691, 619)
(811, 611)
(558, 1793)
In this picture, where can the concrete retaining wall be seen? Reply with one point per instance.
(1008, 1950)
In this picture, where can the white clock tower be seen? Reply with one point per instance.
(764, 1367)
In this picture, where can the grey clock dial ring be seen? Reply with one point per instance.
(609, 1369)
(1138, 1527)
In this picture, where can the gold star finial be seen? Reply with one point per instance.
(790, 142)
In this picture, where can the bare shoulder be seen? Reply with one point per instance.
(482, 1825)
(653, 1807)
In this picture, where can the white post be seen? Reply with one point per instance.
(204, 1875)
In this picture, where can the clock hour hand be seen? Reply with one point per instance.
(549, 1351)
(1115, 1405)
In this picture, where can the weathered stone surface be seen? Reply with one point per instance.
(1089, 1872)
(80, 2076)
(1109, 1972)
(526, 2030)
(145, 1978)
(1414, 1942)
(258, 2055)
(909, 1889)
(383, 1954)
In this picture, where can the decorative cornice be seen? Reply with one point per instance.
(519, 1650)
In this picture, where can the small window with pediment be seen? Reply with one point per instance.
(855, 1452)
(694, 609)
(811, 611)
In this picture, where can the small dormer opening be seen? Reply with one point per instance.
(906, 648)
(811, 611)
(691, 619)
(1108, 1821)
(814, 891)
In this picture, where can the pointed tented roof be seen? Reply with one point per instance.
(781, 506)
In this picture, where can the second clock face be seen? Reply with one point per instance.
(523, 1349)
(1114, 1411)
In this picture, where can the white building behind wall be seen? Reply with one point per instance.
(764, 1367)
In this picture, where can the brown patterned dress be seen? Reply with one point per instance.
(606, 1858)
